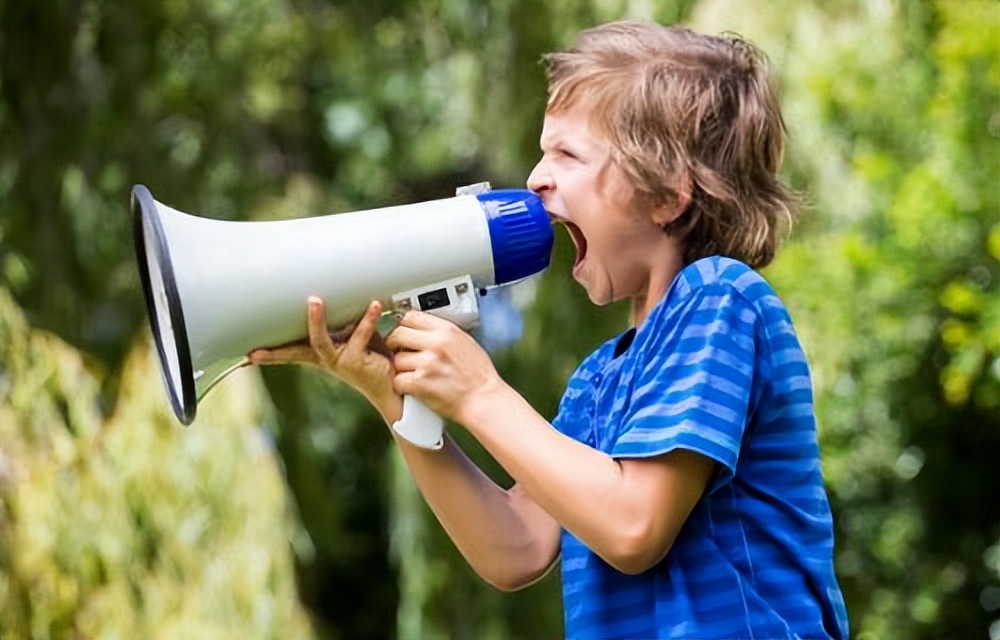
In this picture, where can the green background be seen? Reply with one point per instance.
(284, 511)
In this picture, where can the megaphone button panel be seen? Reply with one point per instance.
(433, 299)
(454, 299)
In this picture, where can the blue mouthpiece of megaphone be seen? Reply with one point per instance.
(520, 233)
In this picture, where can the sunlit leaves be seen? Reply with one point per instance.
(898, 306)
(129, 526)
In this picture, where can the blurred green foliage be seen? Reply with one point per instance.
(123, 526)
(116, 522)
(899, 297)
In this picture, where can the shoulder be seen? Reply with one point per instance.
(710, 286)
(716, 283)
(719, 273)
(717, 303)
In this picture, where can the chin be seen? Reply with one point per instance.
(600, 298)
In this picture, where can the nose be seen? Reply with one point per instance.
(540, 180)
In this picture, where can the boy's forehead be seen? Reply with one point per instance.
(569, 126)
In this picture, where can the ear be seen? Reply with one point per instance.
(665, 213)
(669, 211)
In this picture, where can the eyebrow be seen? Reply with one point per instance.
(588, 144)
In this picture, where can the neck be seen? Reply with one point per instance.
(659, 281)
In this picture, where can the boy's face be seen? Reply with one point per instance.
(618, 247)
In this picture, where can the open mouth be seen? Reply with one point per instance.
(579, 240)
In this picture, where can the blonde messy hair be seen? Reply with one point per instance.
(686, 112)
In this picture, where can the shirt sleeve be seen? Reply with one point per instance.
(693, 388)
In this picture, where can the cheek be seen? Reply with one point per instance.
(612, 185)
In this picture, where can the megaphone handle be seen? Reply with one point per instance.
(419, 425)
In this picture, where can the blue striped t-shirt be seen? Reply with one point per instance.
(716, 368)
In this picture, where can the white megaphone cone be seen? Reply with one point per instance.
(215, 290)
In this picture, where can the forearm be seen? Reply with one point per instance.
(506, 538)
(594, 496)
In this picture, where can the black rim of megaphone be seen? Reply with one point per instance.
(183, 400)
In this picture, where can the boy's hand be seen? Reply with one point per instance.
(440, 363)
(355, 354)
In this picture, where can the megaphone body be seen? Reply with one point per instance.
(216, 290)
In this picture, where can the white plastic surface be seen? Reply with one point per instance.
(419, 425)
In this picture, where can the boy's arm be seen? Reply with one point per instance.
(629, 512)
(503, 534)
(507, 539)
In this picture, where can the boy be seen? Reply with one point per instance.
(680, 482)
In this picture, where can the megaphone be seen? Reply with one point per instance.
(215, 290)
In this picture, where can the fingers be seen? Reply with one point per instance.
(319, 335)
(416, 331)
(411, 360)
(415, 369)
(291, 354)
(324, 346)
(422, 320)
(365, 331)
(404, 383)
(378, 345)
